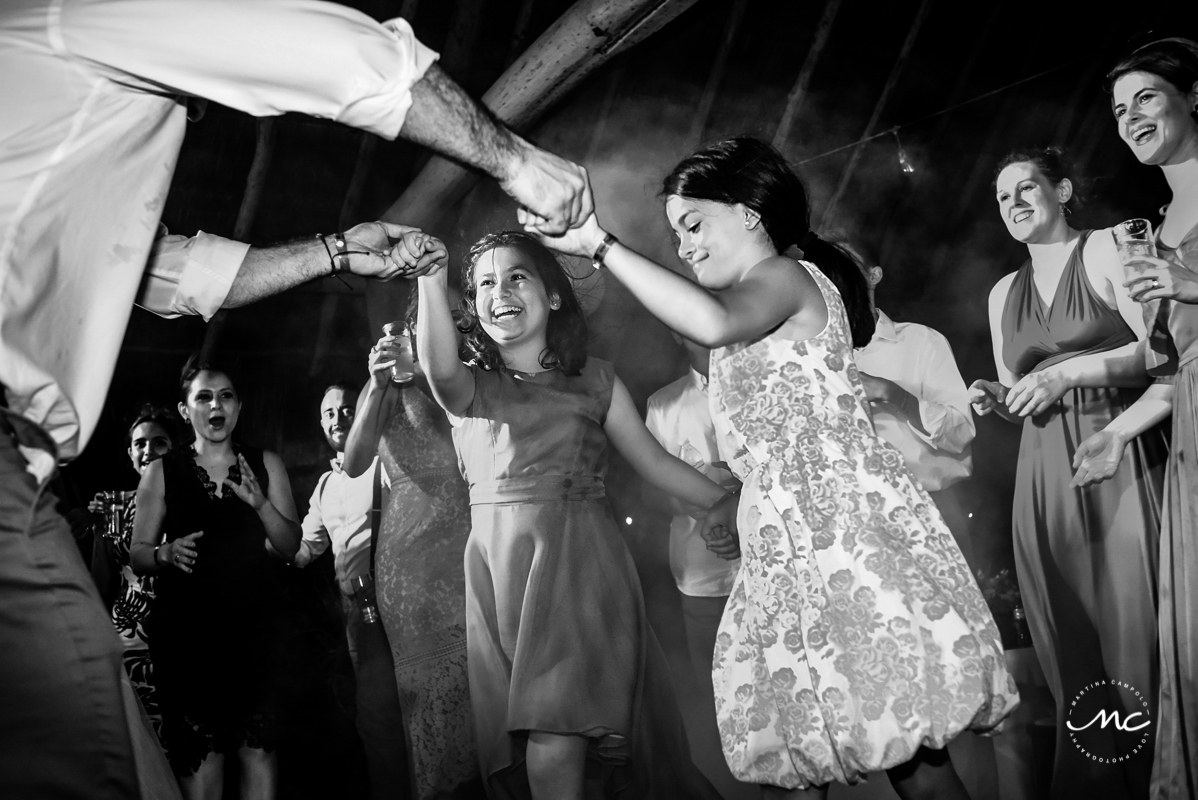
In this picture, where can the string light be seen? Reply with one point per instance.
(933, 115)
(904, 160)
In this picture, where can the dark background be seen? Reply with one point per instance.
(723, 67)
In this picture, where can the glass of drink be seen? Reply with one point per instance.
(1133, 240)
(404, 368)
(114, 513)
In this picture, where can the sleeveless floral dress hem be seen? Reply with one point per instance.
(854, 633)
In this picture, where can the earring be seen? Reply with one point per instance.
(1064, 210)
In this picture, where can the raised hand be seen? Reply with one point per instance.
(419, 253)
(1097, 458)
(580, 241)
(182, 552)
(1162, 280)
(719, 527)
(248, 491)
(557, 192)
(373, 251)
(383, 355)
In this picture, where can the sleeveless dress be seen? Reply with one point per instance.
(215, 631)
(855, 632)
(421, 591)
(556, 624)
(1175, 767)
(1086, 558)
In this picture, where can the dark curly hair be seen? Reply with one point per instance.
(746, 170)
(1054, 163)
(566, 334)
(155, 414)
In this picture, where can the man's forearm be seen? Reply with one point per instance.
(267, 271)
(445, 119)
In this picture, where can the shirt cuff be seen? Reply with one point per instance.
(214, 264)
(303, 556)
(383, 110)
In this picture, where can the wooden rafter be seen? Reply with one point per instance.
(798, 92)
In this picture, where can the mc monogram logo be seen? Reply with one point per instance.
(1110, 721)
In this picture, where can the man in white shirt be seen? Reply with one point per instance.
(339, 514)
(91, 126)
(678, 416)
(919, 402)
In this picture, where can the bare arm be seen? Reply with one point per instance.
(451, 381)
(1098, 457)
(772, 292)
(276, 509)
(376, 404)
(672, 475)
(987, 396)
(267, 271)
(146, 556)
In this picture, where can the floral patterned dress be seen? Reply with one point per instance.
(855, 632)
(130, 609)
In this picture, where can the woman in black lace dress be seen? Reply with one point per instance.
(214, 625)
(127, 595)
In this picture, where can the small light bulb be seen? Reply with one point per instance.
(628, 520)
(971, 515)
(905, 163)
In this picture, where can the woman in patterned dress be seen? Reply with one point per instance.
(130, 595)
(419, 579)
(855, 638)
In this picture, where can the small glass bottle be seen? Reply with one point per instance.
(363, 593)
(1023, 636)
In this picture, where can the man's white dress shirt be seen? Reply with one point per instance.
(921, 362)
(91, 122)
(339, 514)
(678, 416)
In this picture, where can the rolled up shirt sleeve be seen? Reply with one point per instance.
(263, 57)
(190, 276)
(316, 536)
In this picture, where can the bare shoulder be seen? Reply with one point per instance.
(1100, 256)
(272, 461)
(998, 295)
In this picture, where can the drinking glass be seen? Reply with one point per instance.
(404, 368)
(1133, 240)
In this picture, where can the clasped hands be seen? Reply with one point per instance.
(719, 527)
(386, 250)
(1032, 394)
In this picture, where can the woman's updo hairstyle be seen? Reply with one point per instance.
(748, 171)
(196, 364)
(1174, 59)
(1054, 163)
(566, 333)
